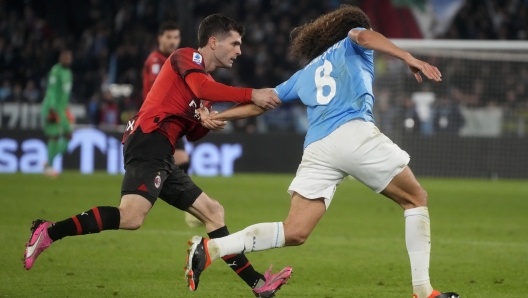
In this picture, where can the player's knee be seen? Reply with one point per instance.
(296, 239)
(294, 236)
(215, 213)
(130, 219)
(218, 212)
(417, 199)
(421, 198)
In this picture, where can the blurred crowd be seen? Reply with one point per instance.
(111, 39)
(491, 19)
(467, 85)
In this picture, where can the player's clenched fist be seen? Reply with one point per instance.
(265, 98)
(207, 121)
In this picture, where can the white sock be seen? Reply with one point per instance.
(257, 237)
(418, 241)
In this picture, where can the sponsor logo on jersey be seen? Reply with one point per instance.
(197, 58)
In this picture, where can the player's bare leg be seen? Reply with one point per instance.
(303, 217)
(133, 210)
(182, 160)
(405, 190)
(208, 211)
(211, 213)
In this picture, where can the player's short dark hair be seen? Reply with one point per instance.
(217, 25)
(312, 39)
(167, 26)
(65, 50)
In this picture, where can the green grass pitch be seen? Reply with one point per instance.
(479, 235)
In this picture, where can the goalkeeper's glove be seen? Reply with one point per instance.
(53, 117)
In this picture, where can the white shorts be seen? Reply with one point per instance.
(357, 148)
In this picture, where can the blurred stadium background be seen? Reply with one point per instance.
(472, 125)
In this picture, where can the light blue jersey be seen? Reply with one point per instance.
(336, 87)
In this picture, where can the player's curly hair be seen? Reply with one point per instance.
(312, 39)
(217, 25)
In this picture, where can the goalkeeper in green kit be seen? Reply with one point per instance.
(57, 118)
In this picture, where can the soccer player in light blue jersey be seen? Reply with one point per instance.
(342, 140)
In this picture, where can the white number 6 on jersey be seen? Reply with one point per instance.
(325, 80)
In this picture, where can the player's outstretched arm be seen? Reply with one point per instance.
(374, 41)
(240, 112)
(209, 90)
(215, 121)
(264, 98)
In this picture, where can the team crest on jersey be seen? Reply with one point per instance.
(197, 58)
(157, 181)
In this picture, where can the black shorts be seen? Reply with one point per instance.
(152, 173)
(180, 145)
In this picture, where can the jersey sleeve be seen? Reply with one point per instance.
(355, 45)
(188, 61)
(207, 89)
(287, 90)
(196, 132)
(185, 61)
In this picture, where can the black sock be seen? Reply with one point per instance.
(239, 263)
(185, 167)
(94, 220)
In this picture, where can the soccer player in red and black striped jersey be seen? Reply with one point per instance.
(169, 39)
(167, 114)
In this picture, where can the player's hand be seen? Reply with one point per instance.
(417, 66)
(265, 98)
(207, 121)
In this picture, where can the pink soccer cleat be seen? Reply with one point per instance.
(273, 282)
(38, 242)
(437, 294)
